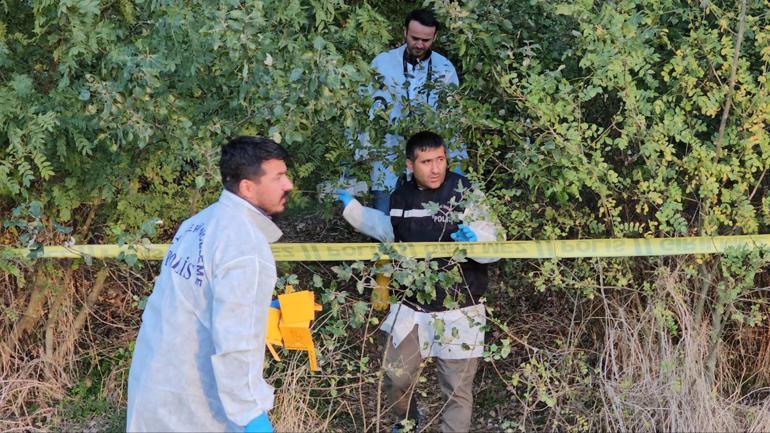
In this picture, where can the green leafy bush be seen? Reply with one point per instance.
(635, 118)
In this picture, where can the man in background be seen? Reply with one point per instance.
(411, 74)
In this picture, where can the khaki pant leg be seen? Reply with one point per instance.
(402, 369)
(456, 379)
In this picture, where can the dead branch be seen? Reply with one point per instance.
(85, 310)
(731, 84)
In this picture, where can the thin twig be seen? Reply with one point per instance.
(731, 84)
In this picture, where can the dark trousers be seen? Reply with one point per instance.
(455, 376)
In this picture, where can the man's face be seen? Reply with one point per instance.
(419, 39)
(269, 191)
(429, 167)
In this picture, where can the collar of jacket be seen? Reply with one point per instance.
(268, 228)
(408, 59)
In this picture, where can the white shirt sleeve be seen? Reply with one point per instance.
(238, 325)
(368, 221)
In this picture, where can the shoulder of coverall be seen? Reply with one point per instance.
(439, 61)
(264, 224)
(392, 62)
(387, 58)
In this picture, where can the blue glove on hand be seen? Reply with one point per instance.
(260, 424)
(464, 234)
(275, 304)
(458, 170)
(344, 196)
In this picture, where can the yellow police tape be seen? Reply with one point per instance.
(301, 252)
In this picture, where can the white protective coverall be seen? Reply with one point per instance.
(395, 75)
(200, 351)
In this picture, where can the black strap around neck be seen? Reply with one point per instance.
(428, 80)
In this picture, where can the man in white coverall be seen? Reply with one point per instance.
(411, 74)
(200, 351)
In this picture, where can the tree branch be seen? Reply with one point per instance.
(731, 84)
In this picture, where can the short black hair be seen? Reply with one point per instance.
(242, 158)
(425, 17)
(422, 141)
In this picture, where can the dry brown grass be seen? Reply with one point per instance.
(646, 358)
(654, 375)
(18, 388)
(48, 350)
(295, 409)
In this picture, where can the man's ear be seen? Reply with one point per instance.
(409, 165)
(245, 187)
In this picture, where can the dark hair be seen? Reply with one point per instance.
(422, 141)
(425, 17)
(242, 158)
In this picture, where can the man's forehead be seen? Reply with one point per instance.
(420, 31)
(429, 152)
(274, 165)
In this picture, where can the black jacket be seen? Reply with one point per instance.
(411, 223)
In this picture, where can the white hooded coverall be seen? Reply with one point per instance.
(200, 351)
(412, 85)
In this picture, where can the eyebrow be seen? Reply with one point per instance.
(431, 159)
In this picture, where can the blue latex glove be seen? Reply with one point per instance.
(344, 196)
(275, 304)
(459, 171)
(464, 234)
(260, 424)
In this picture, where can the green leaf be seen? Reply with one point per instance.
(35, 209)
(318, 43)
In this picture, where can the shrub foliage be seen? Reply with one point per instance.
(583, 119)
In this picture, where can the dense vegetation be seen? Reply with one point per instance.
(584, 119)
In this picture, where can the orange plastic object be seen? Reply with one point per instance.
(298, 306)
(381, 293)
(293, 324)
(273, 331)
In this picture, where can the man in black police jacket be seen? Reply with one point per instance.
(448, 327)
